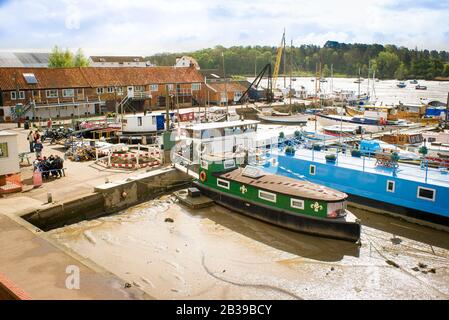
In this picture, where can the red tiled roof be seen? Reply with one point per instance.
(96, 77)
(231, 86)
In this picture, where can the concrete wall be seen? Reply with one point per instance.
(9, 164)
(108, 198)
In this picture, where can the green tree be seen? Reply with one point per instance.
(386, 64)
(66, 59)
(80, 60)
(402, 72)
(60, 59)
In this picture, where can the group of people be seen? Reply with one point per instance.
(51, 166)
(34, 139)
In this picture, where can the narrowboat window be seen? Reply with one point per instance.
(391, 186)
(223, 184)
(139, 121)
(426, 193)
(228, 164)
(297, 204)
(312, 170)
(267, 196)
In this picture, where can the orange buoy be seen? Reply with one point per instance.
(203, 176)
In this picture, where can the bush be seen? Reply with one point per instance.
(423, 150)
(281, 135)
(356, 153)
(316, 147)
(331, 157)
(394, 157)
(297, 134)
(290, 150)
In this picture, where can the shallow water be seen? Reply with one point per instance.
(217, 254)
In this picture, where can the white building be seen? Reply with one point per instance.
(9, 154)
(185, 62)
(119, 61)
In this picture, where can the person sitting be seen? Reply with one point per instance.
(58, 165)
(45, 166)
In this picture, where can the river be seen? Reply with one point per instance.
(386, 91)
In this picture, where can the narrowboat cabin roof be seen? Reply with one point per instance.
(284, 185)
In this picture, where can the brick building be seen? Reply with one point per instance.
(70, 92)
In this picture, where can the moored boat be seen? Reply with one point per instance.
(420, 87)
(286, 202)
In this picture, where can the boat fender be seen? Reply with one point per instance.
(203, 176)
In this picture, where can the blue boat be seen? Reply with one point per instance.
(404, 189)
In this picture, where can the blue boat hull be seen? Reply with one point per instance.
(370, 188)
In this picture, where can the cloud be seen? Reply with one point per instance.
(152, 26)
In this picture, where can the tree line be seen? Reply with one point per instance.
(388, 62)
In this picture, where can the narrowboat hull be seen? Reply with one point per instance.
(341, 229)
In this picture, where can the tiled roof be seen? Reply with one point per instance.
(96, 77)
(231, 86)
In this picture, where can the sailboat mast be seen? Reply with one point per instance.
(285, 74)
(291, 71)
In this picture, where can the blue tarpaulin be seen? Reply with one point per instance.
(435, 112)
(369, 146)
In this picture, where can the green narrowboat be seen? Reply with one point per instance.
(293, 204)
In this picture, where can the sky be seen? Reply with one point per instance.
(145, 27)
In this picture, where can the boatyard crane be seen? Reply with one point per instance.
(280, 52)
(256, 82)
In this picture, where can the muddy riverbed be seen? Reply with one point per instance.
(172, 252)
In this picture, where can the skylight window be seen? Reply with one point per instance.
(30, 78)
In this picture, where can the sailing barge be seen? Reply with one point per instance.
(293, 204)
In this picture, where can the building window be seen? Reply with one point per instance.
(223, 184)
(154, 87)
(297, 204)
(4, 150)
(110, 89)
(391, 186)
(312, 170)
(119, 89)
(68, 93)
(139, 88)
(267, 196)
(139, 121)
(228, 164)
(13, 95)
(196, 86)
(51, 93)
(21, 95)
(170, 87)
(426, 194)
(100, 90)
